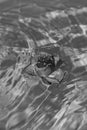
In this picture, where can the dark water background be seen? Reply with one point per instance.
(37, 98)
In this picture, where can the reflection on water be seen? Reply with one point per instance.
(43, 67)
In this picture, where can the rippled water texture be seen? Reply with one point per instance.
(43, 65)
